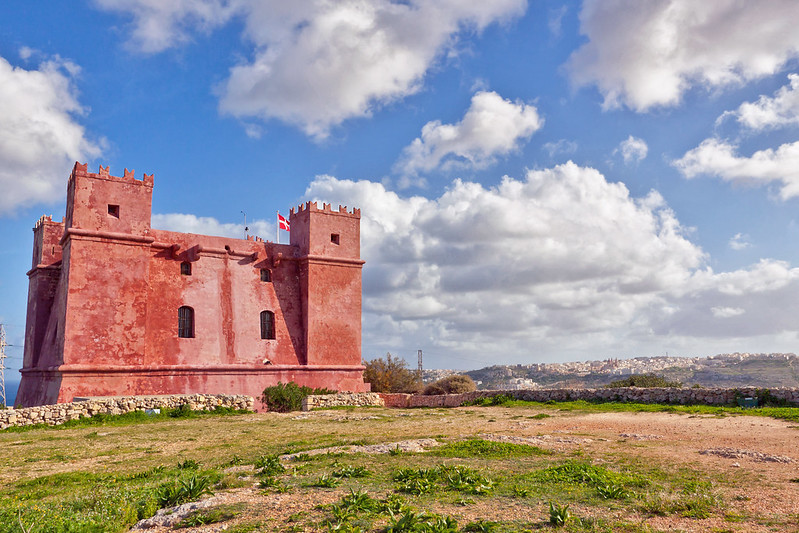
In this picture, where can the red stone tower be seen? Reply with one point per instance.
(108, 297)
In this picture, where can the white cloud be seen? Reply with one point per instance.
(318, 63)
(559, 147)
(161, 24)
(726, 312)
(527, 264)
(491, 127)
(771, 112)
(632, 149)
(715, 157)
(186, 223)
(647, 54)
(40, 137)
(739, 241)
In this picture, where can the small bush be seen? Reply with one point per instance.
(391, 375)
(283, 398)
(455, 384)
(643, 380)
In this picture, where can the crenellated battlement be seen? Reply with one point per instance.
(42, 220)
(326, 208)
(81, 170)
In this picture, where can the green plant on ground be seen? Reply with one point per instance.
(559, 514)
(487, 449)
(490, 401)
(285, 397)
(349, 471)
(326, 481)
(643, 380)
(269, 465)
(454, 384)
(188, 464)
(185, 490)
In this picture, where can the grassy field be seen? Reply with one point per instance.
(103, 475)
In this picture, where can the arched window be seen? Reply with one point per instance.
(266, 275)
(267, 325)
(186, 322)
(185, 268)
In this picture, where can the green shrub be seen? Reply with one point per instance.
(643, 380)
(454, 384)
(391, 375)
(288, 397)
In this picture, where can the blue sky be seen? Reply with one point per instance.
(539, 181)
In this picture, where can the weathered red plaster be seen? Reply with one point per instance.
(105, 289)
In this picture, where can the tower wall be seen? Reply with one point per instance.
(328, 242)
(105, 292)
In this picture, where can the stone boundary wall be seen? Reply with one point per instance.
(359, 399)
(56, 414)
(683, 396)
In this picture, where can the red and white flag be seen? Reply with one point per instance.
(282, 222)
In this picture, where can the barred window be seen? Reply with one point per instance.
(266, 275)
(186, 322)
(267, 325)
(185, 268)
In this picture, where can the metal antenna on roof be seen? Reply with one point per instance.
(246, 229)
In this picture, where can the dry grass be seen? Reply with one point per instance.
(666, 483)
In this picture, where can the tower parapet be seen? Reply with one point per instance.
(104, 203)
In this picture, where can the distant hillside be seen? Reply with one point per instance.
(724, 370)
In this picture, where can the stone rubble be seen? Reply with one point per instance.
(733, 453)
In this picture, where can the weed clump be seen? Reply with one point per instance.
(285, 397)
(644, 380)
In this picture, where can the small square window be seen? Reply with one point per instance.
(113, 210)
(266, 275)
(334, 238)
(185, 268)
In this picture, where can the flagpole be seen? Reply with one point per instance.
(277, 231)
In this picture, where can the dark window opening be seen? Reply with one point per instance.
(266, 274)
(185, 268)
(267, 325)
(334, 238)
(186, 322)
(113, 210)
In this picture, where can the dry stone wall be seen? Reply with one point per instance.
(363, 399)
(59, 413)
(684, 396)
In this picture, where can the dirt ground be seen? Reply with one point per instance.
(762, 453)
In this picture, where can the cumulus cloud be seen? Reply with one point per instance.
(714, 157)
(40, 136)
(491, 127)
(560, 253)
(318, 63)
(739, 241)
(161, 24)
(186, 223)
(647, 54)
(632, 149)
(771, 112)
